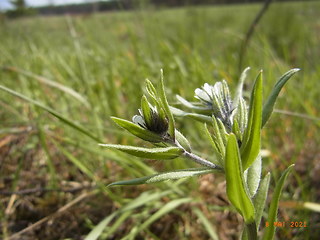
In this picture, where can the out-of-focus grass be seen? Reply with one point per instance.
(105, 58)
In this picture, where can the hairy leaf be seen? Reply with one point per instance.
(173, 175)
(137, 130)
(215, 145)
(251, 143)
(151, 153)
(236, 188)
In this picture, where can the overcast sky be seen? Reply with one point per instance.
(5, 4)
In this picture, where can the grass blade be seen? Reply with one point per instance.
(96, 232)
(82, 167)
(52, 112)
(61, 87)
(170, 206)
(206, 223)
(145, 197)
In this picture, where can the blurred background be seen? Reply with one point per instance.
(84, 61)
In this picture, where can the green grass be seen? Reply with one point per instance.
(100, 63)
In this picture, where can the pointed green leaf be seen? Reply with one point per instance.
(240, 87)
(146, 110)
(269, 104)
(166, 107)
(151, 153)
(173, 175)
(137, 130)
(259, 200)
(183, 141)
(273, 210)
(236, 189)
(250, 147)
(153, 94)
(151, 89)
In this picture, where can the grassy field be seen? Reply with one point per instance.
(90, 67)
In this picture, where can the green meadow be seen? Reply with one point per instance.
(64, 76)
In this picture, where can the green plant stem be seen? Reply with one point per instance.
(252, 231)
(200, 160)
(193, 156)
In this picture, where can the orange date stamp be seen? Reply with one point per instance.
(291, 224)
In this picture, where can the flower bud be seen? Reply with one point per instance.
(151, 118)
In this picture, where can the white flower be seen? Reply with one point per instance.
(218, 98)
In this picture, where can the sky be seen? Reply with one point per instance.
(5, 4)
